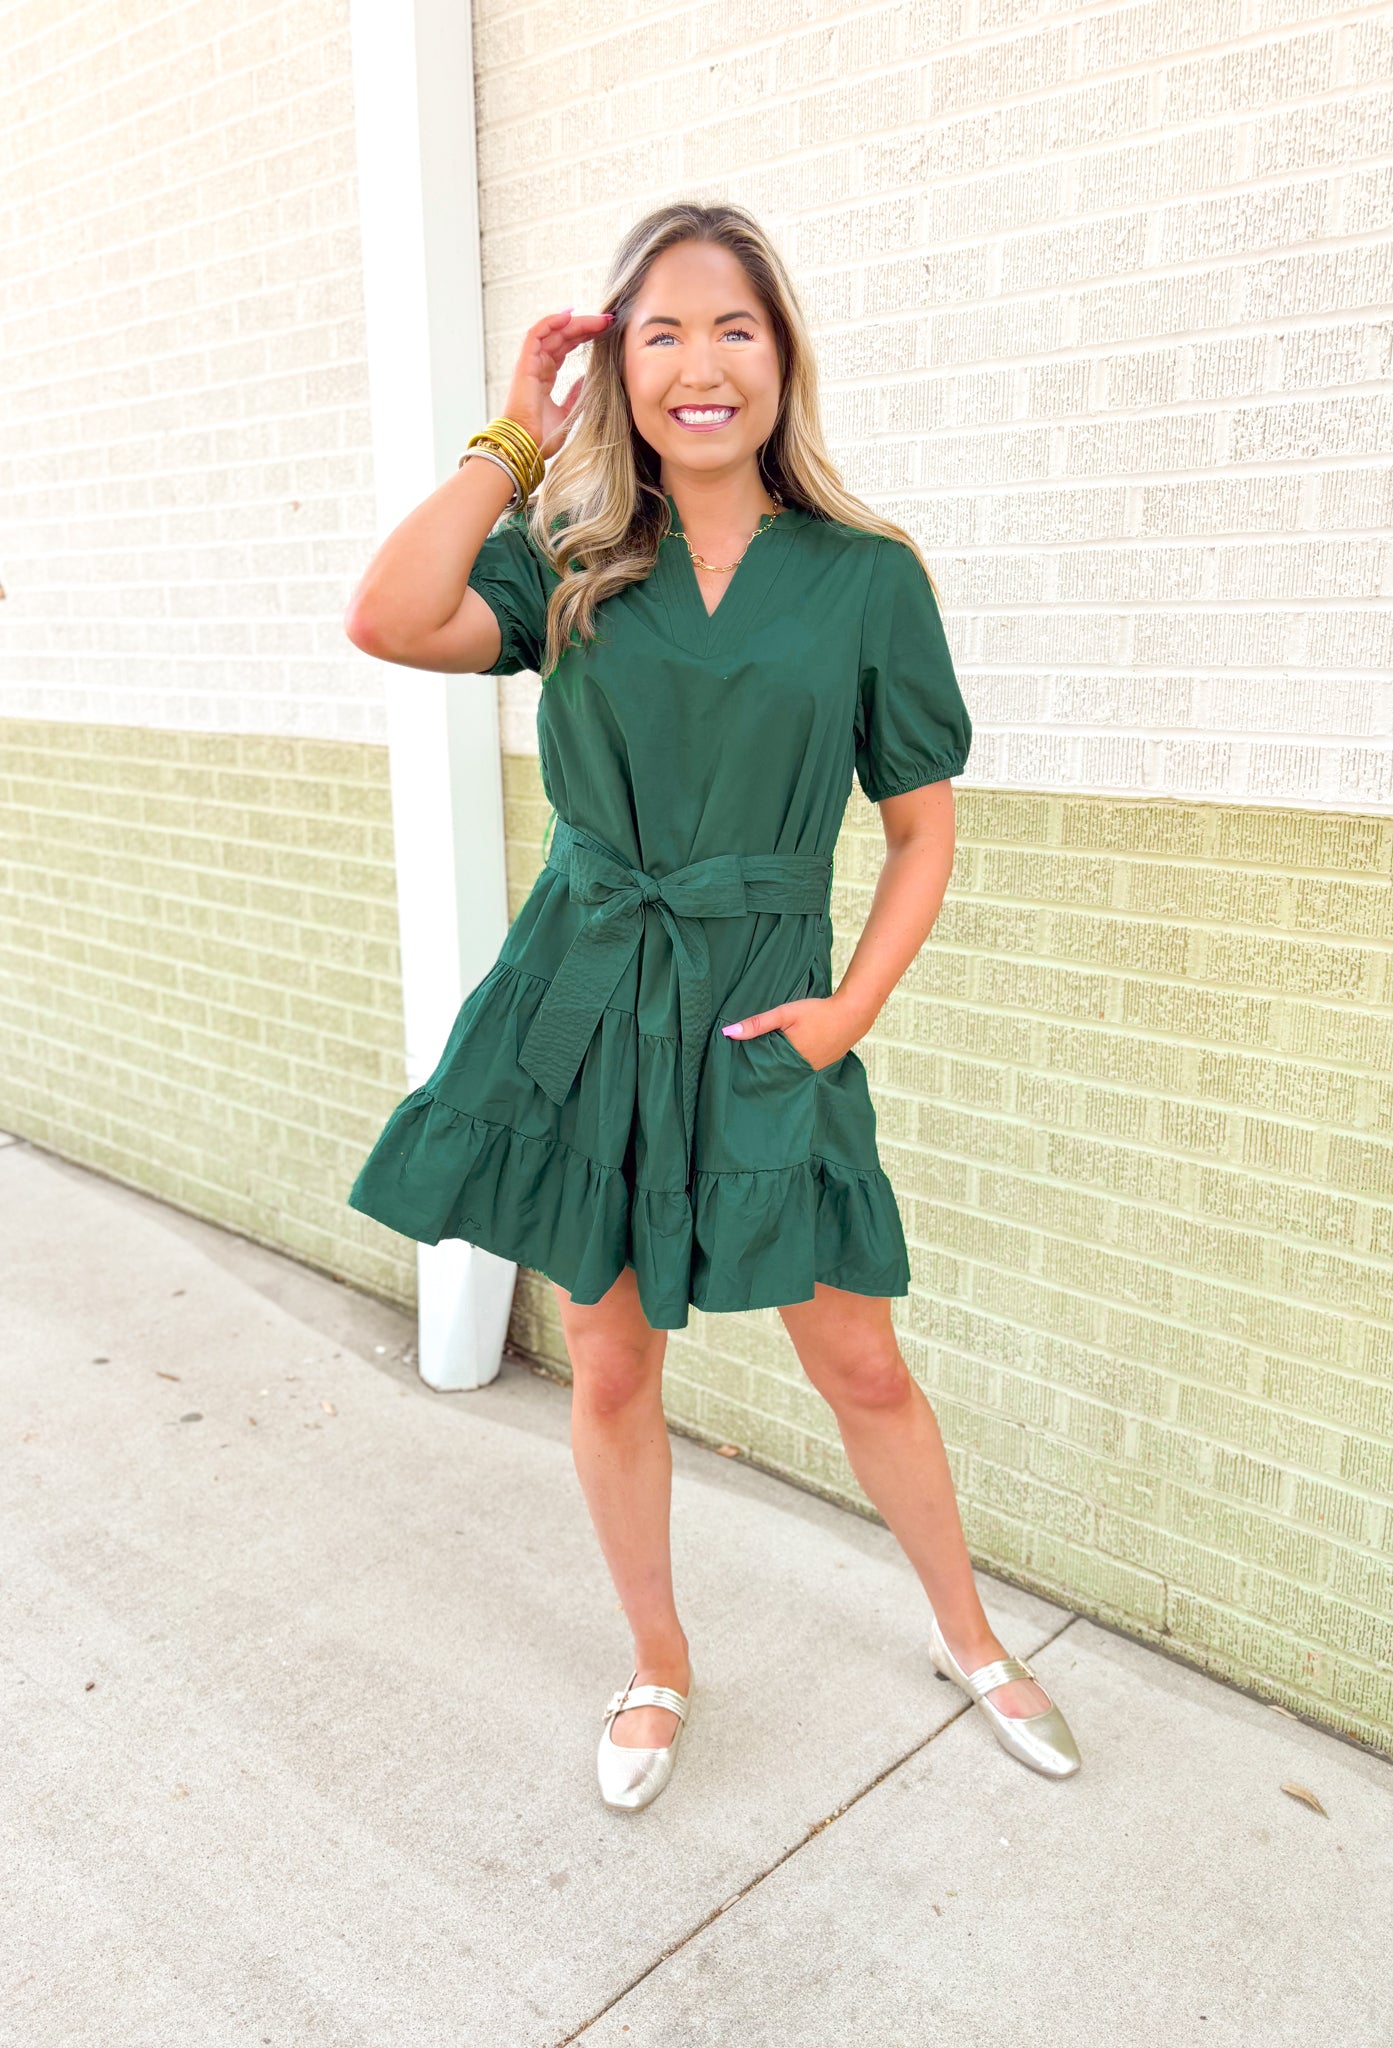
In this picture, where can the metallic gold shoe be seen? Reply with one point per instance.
(630, 1778)
(1041, 1740)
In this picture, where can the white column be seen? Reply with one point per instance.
(413, 82)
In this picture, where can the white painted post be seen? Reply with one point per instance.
(413, 82)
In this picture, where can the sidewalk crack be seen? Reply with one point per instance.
(817, 1828)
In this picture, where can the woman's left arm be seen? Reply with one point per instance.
(919, 845)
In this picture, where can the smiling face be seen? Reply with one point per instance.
(701, 365)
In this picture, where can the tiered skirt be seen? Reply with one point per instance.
(783, 1186)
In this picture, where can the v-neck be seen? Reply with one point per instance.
(693, 627)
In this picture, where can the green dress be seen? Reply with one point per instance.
(587, 1112)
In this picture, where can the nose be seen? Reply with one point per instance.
(700, 367)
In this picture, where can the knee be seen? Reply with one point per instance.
(871, 1380)
(611, 1377)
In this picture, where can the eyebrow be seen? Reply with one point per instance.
(666, 319)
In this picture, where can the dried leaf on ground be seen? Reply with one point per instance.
(1306, 1796)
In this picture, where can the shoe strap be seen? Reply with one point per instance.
(988, 1676)
(647, 1696)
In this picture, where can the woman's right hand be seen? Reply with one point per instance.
(545, 348)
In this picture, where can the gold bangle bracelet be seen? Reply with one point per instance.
(516, 436)
(514, 431)
(524, 478)
(510, 425)
(517, 445)
(528, 467)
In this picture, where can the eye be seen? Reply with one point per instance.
(737, 333)
(654, 338)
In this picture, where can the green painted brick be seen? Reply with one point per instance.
(1085, 1576)
(1033, 986)
(1181, 1561)
(1147, 829)
(1010, 817)
(1300, 839)
(1149, 1064)
(213, 889)
(1128, 1386)
(1123, 1171)
(1061, 1103)
(1052, 878)
(1339, 1511)
(1261, 1425)
(1206, 895)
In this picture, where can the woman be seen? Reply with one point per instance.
(652, 1096)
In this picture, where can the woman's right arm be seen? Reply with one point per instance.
(413, 603)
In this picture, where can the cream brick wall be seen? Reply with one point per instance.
(185, 480)
(1102, 301)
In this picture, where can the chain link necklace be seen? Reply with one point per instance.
(729, 568)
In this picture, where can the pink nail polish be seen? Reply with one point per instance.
(730, 1030)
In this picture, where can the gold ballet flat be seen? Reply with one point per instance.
(630, 1778)
(1041, 1740)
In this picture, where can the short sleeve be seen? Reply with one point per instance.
(912, 725)
(515, 583)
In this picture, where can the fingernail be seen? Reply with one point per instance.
(730, 1030)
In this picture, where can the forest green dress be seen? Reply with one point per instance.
(587, 1112)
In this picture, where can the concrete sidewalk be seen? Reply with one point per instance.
(303, 1668)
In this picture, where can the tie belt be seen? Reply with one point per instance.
(726, 885)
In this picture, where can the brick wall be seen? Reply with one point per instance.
(1135, 1098)
(200, 992)
(1101, 298)
(199, 980)
(186, 479)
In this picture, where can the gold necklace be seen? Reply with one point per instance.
(729, 568)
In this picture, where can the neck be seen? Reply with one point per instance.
(717, 505)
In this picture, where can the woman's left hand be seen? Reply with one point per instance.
(817, 1027)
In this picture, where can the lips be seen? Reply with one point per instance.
(703, 419)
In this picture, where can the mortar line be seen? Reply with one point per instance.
(818, 1827)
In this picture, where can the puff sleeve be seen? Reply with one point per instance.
(912, 726)
(515, 582)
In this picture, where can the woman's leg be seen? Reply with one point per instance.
(623, 1456)
(846, 1345)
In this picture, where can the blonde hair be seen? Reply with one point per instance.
(600, 512)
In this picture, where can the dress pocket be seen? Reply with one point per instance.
(811, 986)
(756, 1105)
(782, 1038)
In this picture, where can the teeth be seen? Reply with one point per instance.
(699, 416)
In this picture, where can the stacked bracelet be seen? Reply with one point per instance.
(487, 455)
(504, 442)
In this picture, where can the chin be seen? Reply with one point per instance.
(705, 451)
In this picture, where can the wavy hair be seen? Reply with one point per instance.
(600, 513)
